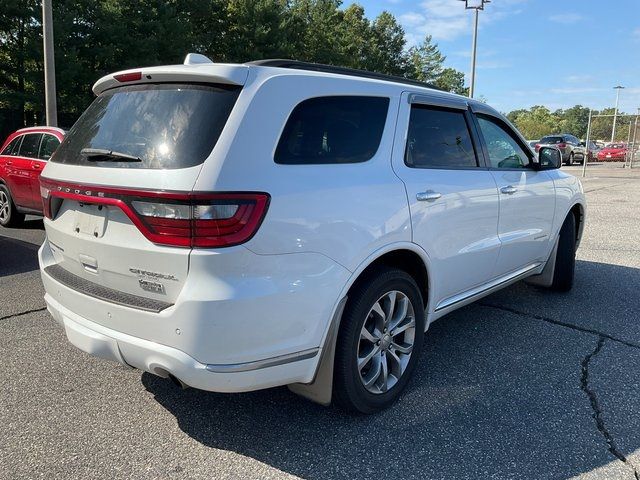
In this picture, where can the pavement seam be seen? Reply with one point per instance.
(607, 186)
(584, 378)
(26, 312)
(563, 324)
(597, 409)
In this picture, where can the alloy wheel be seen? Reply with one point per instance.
(386, 342)
(4, 207)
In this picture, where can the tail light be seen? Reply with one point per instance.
(182, 219)
(128, 77)
(562, 145)
(537, 147)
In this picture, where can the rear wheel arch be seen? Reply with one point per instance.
(577, 211)
(402, 258)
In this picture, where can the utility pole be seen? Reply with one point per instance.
(615, 112)
(584, 162)
(633, 145)
(475, 5)
(49, 65)
(474, 48)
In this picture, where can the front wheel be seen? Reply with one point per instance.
(379, 342)
(9, 215)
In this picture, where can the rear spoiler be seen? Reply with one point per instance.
(194, 70)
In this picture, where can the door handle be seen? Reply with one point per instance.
(35, 166)
(428, 196)
(9, 162)
(509, 189)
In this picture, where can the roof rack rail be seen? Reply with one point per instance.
(319, 67)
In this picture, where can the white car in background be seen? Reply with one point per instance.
(239, 227)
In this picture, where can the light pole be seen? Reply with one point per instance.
(475, 5)
(615, 112)
(49, 65)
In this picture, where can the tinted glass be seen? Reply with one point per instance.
(551, 140)
(166, 126)
(30, 145)
(48, 146)
(12, 148)
(504, 150)
(333, 130)
(438, 138)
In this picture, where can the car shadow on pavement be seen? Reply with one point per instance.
(499, 392)
(17, 256)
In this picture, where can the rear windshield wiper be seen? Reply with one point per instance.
(104, 155)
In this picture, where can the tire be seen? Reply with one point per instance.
(9, 215)
(565, 256)
(359, 384)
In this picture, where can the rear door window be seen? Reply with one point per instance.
(13, 147)
(30, 145)
(438, 138)
(341, 129)
(161, 126)
(48, 146)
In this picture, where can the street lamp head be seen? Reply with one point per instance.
(475, 4)
(618, 87)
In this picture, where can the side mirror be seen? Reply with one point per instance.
(549, 158)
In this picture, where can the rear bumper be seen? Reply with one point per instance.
(247, 331)
(163, 361)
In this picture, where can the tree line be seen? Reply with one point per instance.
(538, 121)
(94, 38)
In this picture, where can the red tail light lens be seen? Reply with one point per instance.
(128, 77)
(562, 145)
(189, 219)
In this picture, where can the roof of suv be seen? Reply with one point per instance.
(198, 68)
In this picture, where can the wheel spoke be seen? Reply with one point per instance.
(367, 335)
(373, 374)
(403, 326)
(406, 349)
(377, 309)
(396, 364)
(391, 301)
(385, 373)
(363, 361)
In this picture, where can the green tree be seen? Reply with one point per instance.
(425, 63)
(387, 54)
(536, 122)
(451, 80)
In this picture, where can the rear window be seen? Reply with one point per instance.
(342, 129)
(552, 140)
(30, 145)
(166, 126)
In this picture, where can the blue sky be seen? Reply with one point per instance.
(557, 53)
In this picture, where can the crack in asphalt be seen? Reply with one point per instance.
(19, 314)
(560, 323)
(584, 377)
(597, 409)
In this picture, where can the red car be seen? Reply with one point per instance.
(22, 158)
(613, 152)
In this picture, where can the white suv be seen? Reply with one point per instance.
(239, 227)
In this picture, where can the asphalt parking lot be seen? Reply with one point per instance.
(524, 384)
